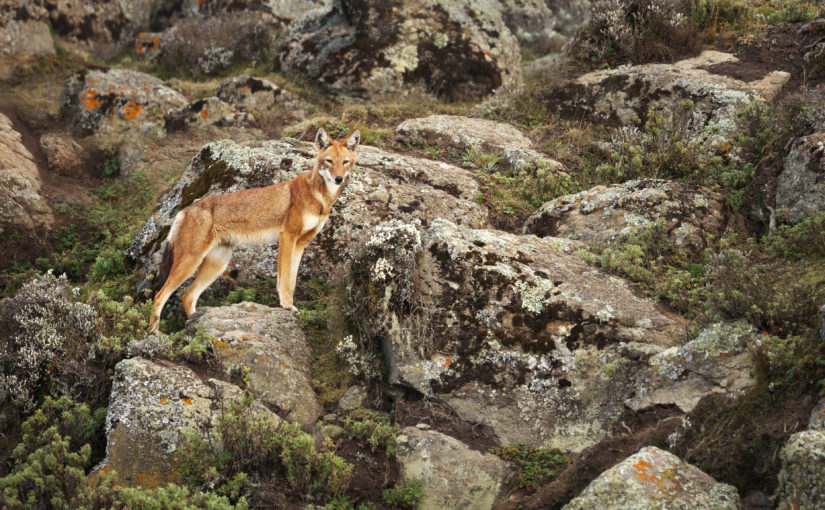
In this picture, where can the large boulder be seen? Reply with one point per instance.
(23, 210)
(114, 100)
(205, 112)
(23, 42)
(284, 10)
(256, 95)
(654, 479)
(454, 476)
(458, 50)
(802, 478)
(113, 21)
(544, 25)
(384, 185)
(152, 404)
(800, 187)
(691, 216)
(622, 95)
(514, 332)
(265, 348)
(465, 133)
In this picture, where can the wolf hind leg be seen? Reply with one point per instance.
(209, 270)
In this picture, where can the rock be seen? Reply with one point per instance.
(454, 476)
(256, 94)
(513, 332)
(205, 112)
(691, 216)
(283, 10)
(621, 95)
(822, 323)
(465, 133)
(544, 26)
(152, 404)
(23, 210)
(116, 22)
(458, 50)
(817, 419)
(266, 348)
(802, 477)
(654, 479)
(355, 397)
(114, 100)
(718, 360)
(23, 42)
(64, 155)
(384, 185)
(800, 187)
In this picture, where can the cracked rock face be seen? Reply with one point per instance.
(691, 216)
(621, 95)
(457, 50)
(151, 406)
(800, 188)
(266, 348)
(653, 479)
(454, 476)
(116, 99)
(802, 478)
(384, 185)
(514, 332)
(22, 208)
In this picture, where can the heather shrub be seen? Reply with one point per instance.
(46, 339)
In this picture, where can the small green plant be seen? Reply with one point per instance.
(373, 427)
(476, 159)
(534, 466)
(408, 495)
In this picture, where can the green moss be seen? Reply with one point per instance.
(214, 171)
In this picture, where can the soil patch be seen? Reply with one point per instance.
(372, 472)
(443, 419)
(632, 431)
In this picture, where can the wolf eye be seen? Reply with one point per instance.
(329, 161)
(346, 162)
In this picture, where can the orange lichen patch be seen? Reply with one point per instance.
(642, 474)
(104, 469)
(447, 362)
(91, 99)
(722, 356)
(140, 478)
(187, 401)
(283, 366)
(163, 400)
(131, 110)
(246, 90)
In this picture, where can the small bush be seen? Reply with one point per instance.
(534, 466)
(374, 428)
(407, 495)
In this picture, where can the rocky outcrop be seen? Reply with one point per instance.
(688, 217)
(265, 348)
(257, 95)
(457, 50)
(384, 185)
(465, 133)
(800, 187)
(622, 95)
(205, 112)
(514, 332)
(453, 475)
(114, 100)
(654, 479)
(152, 404)
(544, 25)
(23, 42)
(802, 478)
(104, 21)
(23, 210)
(718, 360)
(283, 10)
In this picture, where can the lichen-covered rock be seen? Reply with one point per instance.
(718, 360)
(544, 25)
(113, 21)
(23, 210)
(265, 348)
(817, 419)
(355, 397)
(116, 99)
(152, 404)
(205, 112)
(458, 50)
(621, 95)
(691, 216)
(257, 95)
(466, 133)
(454, 476)
(802, 478)
(63, 154)
(654, 479)
(23, 42)
(800, 188)
(514, 332)
(284, 10)
(384, 185)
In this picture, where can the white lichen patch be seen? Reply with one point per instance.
(606, 314)
(534, 295)
(382, 270)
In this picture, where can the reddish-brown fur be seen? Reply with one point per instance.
(203, 234)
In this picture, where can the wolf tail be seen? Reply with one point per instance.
(165, 264)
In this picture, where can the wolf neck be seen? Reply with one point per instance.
(325, 191)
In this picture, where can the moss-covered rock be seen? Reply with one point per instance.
(802, 481)
(654, 479)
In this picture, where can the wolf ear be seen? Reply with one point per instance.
(354, 139)
(322, 139)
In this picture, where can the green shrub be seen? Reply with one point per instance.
(408, 495)
(374, 428)
(534, 466)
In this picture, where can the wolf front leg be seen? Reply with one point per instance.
(286, 252)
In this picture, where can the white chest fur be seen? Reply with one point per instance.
(312, 221)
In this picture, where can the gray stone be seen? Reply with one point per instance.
(653, 479)
(23, 42)
(454, 476)
(817, 419)
(355, 397)
(802, 477)
(205, 112)
(265, 348)
(64, 155)
(800, 187)
(257, 95)
(544, 25)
